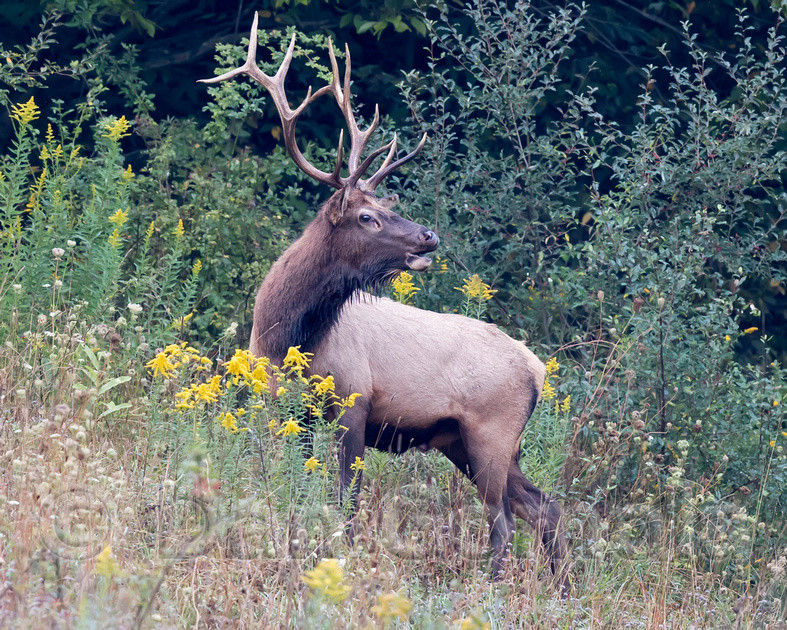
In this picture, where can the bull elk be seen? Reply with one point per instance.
(427, 380)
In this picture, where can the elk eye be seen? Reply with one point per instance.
(365, 218)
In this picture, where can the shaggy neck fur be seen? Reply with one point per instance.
(302, 295)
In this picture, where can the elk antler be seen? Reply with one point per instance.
(289, 117)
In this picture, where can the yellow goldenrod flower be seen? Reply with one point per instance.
(350, 400)
(25, 113)
(127, 174)
(548, 393)
(105, 564)
(180, 230)
(118, 129)
(727, 338)
(296, 359)
(312, 464)
(358, 465)
(238, 365)
(775, 403)
(325, 387)
(475, 622)
(441, 265)
(748, 331)
(291, 427)
(149, 233)
(403, 287)
(228, 421)
(119, 218)
(50, 134)
(392, 606)
(210, 391)
(273, 423)
(160, 364)
(552, 366)
(565, 407)
(179, 323)
(196, 268)
(114, 239)
(327, 578)
(474, 287)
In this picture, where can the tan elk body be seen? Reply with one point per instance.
(427, 380)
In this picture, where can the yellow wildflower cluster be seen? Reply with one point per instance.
(179, 323)
(476, 621)
(229, 421)
(564, 406)
(114, 238)
(105, 564)
(392, 606)
(196, 268)
(25, 113)
(323, 393)
(118, 129)
(358, 465)
(475, 288)
(180, 230)
(127, 174)
(173, 356)
(248, 370)
(291, 427)
(548, 393)
(442, 266)
(119, 218)
(403, 288)
(149, 233)
(197, 393)
(36, 190)
(328, 578)
(312, 464)
(297, 360)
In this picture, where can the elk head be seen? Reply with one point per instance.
(363, 230)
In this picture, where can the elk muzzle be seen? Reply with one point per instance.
(428, 243)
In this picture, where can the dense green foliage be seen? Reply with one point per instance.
(636, 235)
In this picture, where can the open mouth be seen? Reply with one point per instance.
(417, 262)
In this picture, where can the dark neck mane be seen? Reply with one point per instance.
(302, 295)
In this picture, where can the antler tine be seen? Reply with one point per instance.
(385, 170)
(339, 154)
(289, 117)
(343, 95)
(355, 176)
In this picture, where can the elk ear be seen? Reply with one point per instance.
(336, 207)
(388, 202)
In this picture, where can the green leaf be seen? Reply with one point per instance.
(112, 408)
(113, 383)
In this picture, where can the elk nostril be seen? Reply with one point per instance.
(429, 236)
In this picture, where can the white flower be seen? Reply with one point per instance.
(71, 243)
(17, 288)
(135, 308)
(41, 319)
(58, 252)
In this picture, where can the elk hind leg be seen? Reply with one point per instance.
(544, 514)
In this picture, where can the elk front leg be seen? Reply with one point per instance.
(351, 446)
(488, 473)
